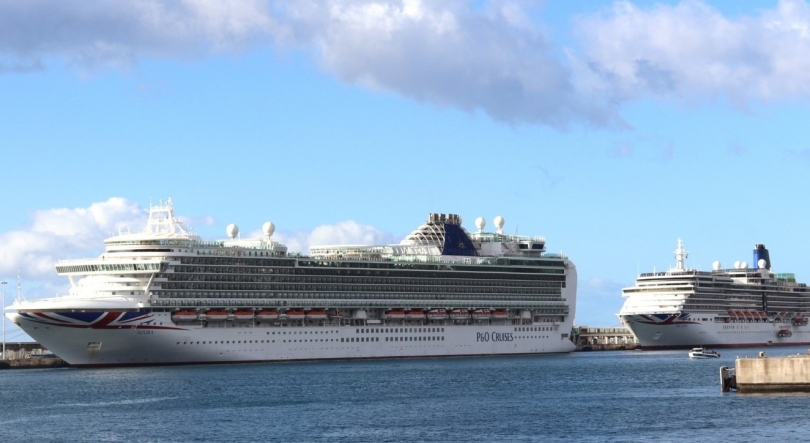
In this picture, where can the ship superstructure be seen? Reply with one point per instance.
(741, 306)
(165, 296)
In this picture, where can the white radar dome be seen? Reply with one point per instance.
(499, 221)
(744, 265)
(268, 228)
(761, 263)
(480, 223)
(716, 265)
(737, 264)
(232, 230)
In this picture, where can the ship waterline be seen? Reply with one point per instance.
(165, 296)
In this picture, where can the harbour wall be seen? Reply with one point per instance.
(773, 374)
(29, 355)
(614, 338)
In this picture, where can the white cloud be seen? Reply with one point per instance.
(450, 53)
(491, 56)
(454, 53)
(61, 233)
(114, 33)
(692, 51)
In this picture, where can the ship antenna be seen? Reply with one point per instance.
(680, 256)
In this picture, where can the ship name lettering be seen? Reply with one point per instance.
(145, 332)
(495, 336)
(502, 336)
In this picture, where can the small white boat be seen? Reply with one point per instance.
(703, 353)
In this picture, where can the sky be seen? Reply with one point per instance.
(611, 128)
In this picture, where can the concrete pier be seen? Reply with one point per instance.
(772, 374)
(29, 355)
(604, 339)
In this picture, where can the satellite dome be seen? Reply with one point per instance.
(232, 230)
(499, 221)
(737, 264)
(762, 263)
(716, 265)
(744, 265)
(268, 228)
(480, 223)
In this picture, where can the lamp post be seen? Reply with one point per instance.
(4, 283)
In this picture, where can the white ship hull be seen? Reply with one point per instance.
(156, 340)
(676, 331)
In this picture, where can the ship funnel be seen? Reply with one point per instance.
(761, 253)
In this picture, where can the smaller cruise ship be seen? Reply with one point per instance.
(738, 307)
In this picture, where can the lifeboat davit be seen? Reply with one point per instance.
(267, 314)
(243, 314)
(295, 314)
(316, 314)
(184, 315)
(437, 314)
(481, 314)
(216, 314)
(395, 314)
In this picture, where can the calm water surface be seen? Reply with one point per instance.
(591, 397)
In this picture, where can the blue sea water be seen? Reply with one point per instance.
(587, 396)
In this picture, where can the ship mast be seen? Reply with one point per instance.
(680, 256)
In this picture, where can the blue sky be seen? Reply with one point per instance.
(613, 129)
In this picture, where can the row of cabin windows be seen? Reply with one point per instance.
(392, 290)
(473, 273)
(353, 296)
(450, 281)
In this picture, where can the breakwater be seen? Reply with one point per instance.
(33, 363)
(29, 355)
(768, 374)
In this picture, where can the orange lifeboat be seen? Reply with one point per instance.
(459, 314)
(395, 314)
(243, 314)
(481, 314)
(295, 314)
(415, 314)
(267, 314)
(316, 314)
(500, 313)
(437, 314)
(216, 314)
(184, 315)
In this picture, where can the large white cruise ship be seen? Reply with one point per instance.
(165, 296)
(743, 306)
